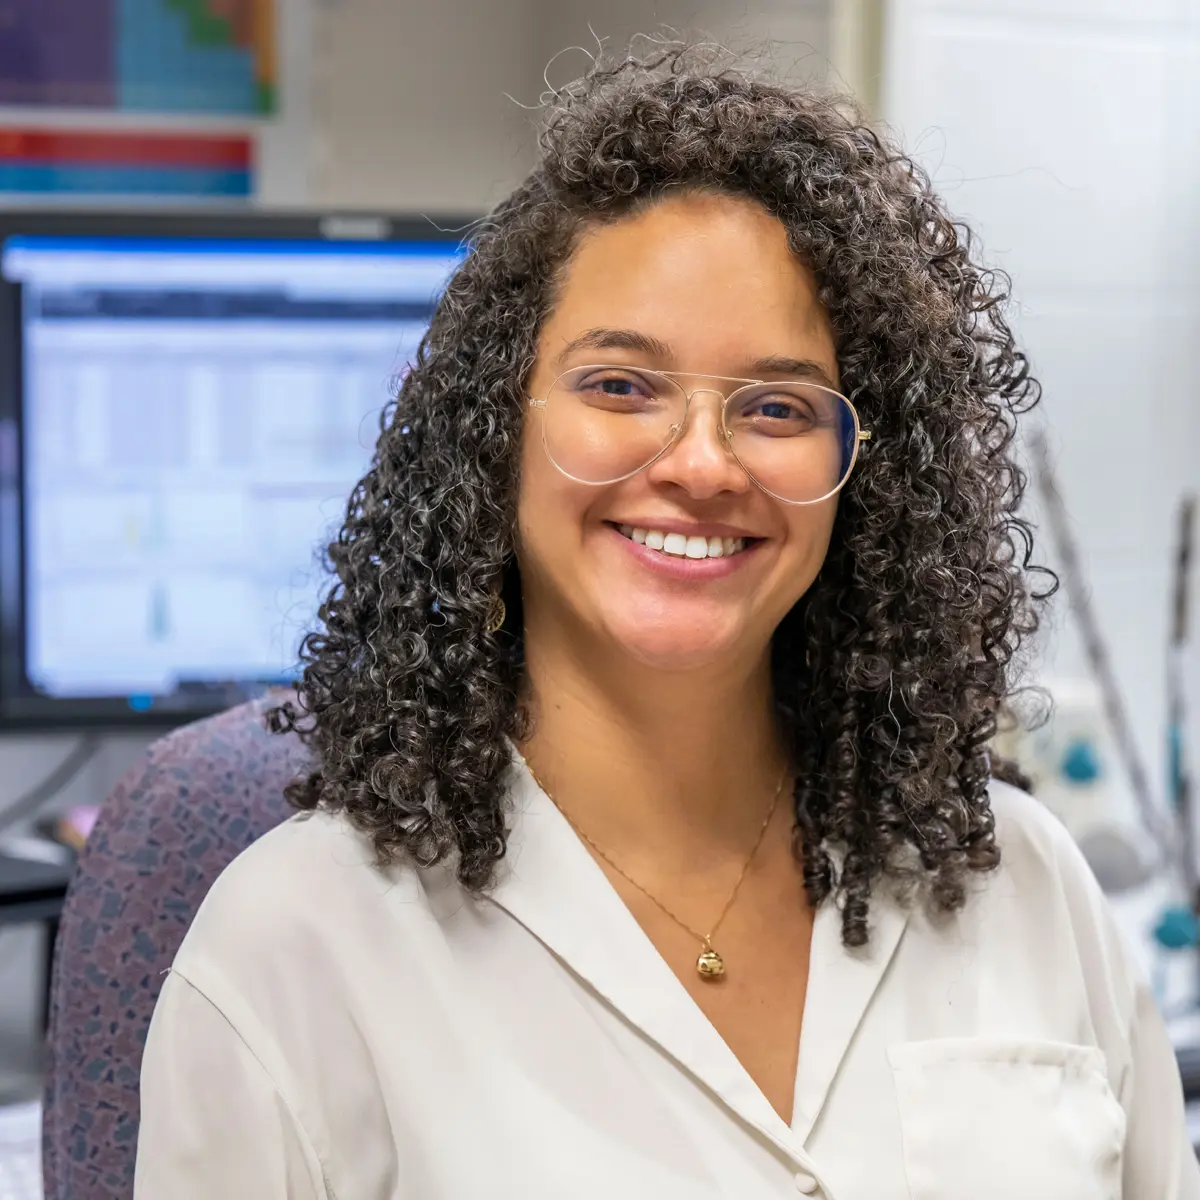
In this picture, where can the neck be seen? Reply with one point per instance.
(640, 759)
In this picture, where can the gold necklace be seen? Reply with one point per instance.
(710, 964)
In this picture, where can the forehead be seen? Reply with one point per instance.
(709, 274)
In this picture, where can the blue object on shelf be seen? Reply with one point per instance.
(1177, 929)
(1080, 764)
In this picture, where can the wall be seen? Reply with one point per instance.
(433, 108)
(1068, 133)
(411, 103)
(797, 34)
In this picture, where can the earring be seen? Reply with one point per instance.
(496, 614)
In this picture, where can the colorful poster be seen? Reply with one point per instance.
(116, 163)
(193, 56)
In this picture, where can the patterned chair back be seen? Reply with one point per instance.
(198, 798)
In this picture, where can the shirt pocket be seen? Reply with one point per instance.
(998, 1118)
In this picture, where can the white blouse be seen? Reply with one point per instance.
(338, 1031)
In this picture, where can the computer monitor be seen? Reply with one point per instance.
(186, 402)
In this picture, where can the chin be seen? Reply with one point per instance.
(683, 644)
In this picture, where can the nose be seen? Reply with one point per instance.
(700, 461)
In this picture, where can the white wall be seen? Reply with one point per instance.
(1068, 132)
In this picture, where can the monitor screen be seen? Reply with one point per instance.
(191, 414)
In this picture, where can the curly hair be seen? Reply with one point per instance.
(888, 673)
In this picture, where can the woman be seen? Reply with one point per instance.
(653, 845)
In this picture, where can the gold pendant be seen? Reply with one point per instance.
(710, 964)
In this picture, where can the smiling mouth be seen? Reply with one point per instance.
(679, 545)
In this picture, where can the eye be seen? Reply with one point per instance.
(780, 410)
(615, 383)
(615, 389)
(776, 414)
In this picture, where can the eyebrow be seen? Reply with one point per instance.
(603, 338)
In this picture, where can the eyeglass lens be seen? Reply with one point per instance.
(604, 423)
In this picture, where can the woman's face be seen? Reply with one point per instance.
(697, 283)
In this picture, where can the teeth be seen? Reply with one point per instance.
(682, 546)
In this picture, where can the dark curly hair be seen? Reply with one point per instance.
(889, 672)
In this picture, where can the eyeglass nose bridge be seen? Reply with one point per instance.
(680, 426)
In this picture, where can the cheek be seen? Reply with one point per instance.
(548, 504)
(809, 533)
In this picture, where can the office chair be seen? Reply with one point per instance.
(198, 798)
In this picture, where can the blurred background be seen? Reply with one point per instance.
(326, 152)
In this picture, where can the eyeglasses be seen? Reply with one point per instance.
(798, 441)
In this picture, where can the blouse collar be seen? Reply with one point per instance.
(551, 884)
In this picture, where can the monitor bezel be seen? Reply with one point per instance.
(21, 711)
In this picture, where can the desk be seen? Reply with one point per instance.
(32, 889)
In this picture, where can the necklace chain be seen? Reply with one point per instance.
(706, 939)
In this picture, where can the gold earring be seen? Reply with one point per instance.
(496, 614)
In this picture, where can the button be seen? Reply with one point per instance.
(806, 1183)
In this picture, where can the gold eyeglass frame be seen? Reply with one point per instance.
(726, 434)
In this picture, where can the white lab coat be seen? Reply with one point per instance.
(336, 1031)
